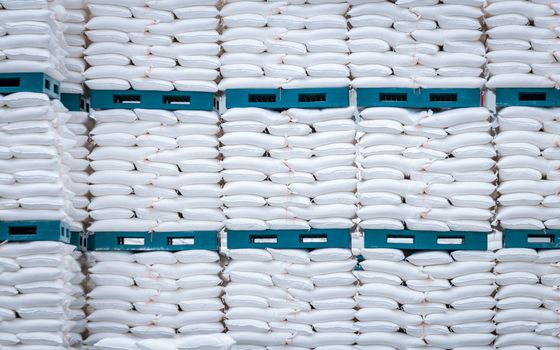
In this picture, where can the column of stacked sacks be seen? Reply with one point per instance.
(155, 170)
(283, 298)
(288, 170)
(522, 44)
(152, 45)
(274, 44)
(32, 38)
(74, 16)
(527, 299)
(79, 124)
(430, 44)
(527, 143)
(42, 299)
(155, 300)
(36, 162)
(424, 170)
(425, 300)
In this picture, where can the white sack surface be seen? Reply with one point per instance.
(155, 299)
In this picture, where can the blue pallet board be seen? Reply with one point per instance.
(289, 239)
(29, 82)
(35, 230)
(75, 102)
(151, 241)
(536, 239)
(425, 240)
(418, 98)
(78, 239)
(288, 98)
(168, 100)
(531, 97)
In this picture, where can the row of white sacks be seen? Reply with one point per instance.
(416, 43)
(522, 44)
(299, 169)
(274, 43)
(152, 45)
(158, 45)
(464, 300)
(155, 300)
(42, 298)
(426, 171)
(33, 38)
(43, 170)
(277, 299)
(529, 168)
(289, 170)
(281, 44)
(155, 170)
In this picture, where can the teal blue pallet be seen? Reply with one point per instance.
(289, 239)
(151, 241)
(418, 98)
(75, 102)
(288, 98)
(79, 239)
(425, 240)
(168, 100)
(34, 230)
(29, 82)
(531, 97)
(535, 239)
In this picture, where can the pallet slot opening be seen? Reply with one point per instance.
(400, 240)
(264, 239)
(443, 97)
(177, 100)
(532, 96)
(450, 240)
(56, 88)
(47, 84)
(267, 98)
(10, 82)
(23, 230)
(312, 97)
(126, 99)
(131, 240)
(393, 97)
(313, 239)
(539, 239)
(180, 241)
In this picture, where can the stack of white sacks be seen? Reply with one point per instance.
(522, 44)
(428, 300)
(407, 44)
(79, 124)
(41, 296)
(422, 170)
(35, 160)
(155, 300)
(280, 299)
(288, 170)
(155, 170)
(152, 45)
(527, 299)
(73, 15)
(284, 44)
(31, 38)
(527, 144)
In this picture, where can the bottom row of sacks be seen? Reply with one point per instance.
(324, 299)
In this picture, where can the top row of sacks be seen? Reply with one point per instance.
(189, 45)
